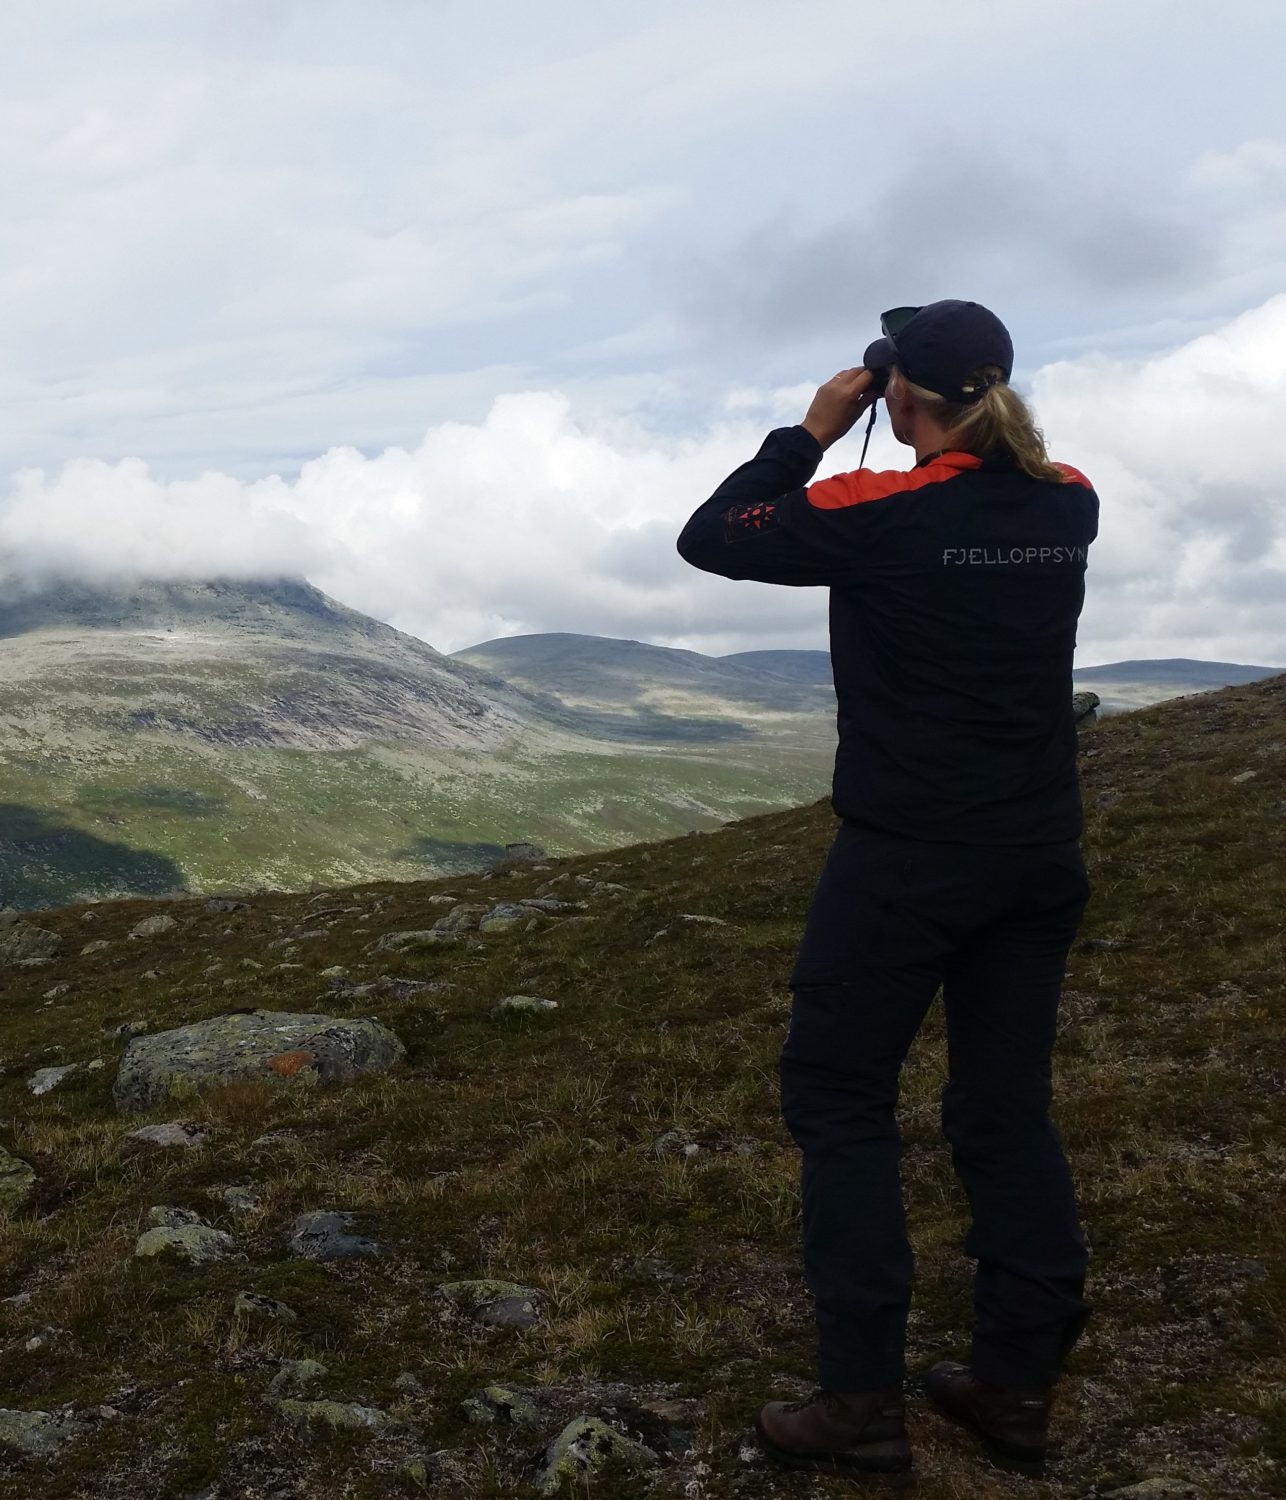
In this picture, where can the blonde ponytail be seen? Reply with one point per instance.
(999, 422)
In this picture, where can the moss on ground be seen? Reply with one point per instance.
(524, 1149)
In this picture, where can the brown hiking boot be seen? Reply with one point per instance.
(861, 1436)
(1013, 1425)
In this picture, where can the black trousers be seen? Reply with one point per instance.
(892, 920)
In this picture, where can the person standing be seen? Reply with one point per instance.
(955, 590)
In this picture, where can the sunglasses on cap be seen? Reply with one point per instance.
(891, 324)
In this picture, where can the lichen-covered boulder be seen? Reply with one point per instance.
(339, 1416)
(37, 1433)
(582, 1448)
(263, 1046)
(22, 943)
(156, 926)
(502, 1403)
(17, 1183)
(500, 1304)
(197, 1244)
(324, 1235)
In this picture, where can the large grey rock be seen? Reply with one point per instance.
(263, 1046)
(37, 1433)
(1085, 708)
(21, 943)
(17, 1183)
(156, 926)
(324, 1235)
(504, 915)
(584, 1447)
(197, 1244)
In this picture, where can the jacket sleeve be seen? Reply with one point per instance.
(759, 523)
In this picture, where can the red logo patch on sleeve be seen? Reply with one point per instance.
(746, 520)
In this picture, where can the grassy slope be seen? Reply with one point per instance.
(522, 1150)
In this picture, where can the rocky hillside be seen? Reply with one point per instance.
(462, 1187)
(199, 736)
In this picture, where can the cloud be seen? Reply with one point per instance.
(536, 519)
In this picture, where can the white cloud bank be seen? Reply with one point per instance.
(534, 520)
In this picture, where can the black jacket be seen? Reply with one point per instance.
(955, 591)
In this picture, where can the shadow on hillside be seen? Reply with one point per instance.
(170, 799)
(445, 857)
(46, 863)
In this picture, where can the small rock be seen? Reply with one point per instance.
(57, 992)
(151, 927)
(96, 946)
(409, 1384)
(522, 1005)
(151, 973)
(17, 1183)
(502, 916)
(255, 1307)
(691, 916)
(408, 942)
(496, 1403)
(170, 1133)
(241, 1200)
(297, 1377)
(1159, 1488)
(336, 971)
(323, 1235)
(499, 1304)
(675, 1143)
(127, 1030)
(226, 903)
(37, 1432)
(162, 1216)
(1103, 945)
(251, 963)
(1243, 776)
(582, 1448)
(197, 1244)
(43, 1080)
(339, 1416)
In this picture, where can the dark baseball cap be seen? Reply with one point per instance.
(941, 345)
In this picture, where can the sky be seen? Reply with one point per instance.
(460, 311)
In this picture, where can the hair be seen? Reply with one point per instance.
(999, 422)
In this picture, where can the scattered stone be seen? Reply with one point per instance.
(323, 1235)
(19, 1299)
(496, 1403)
(21, 943)
(1084, 708)
(255, 1307)
(37, 1433)
(128, 1030)
(197, 1244)
(522, 1005)
(409, 1384)
(151, 927)
(498, 1304)
(584, 1447)
(690, 916)
(214, 967)
(241, 1200)
(44, 1080)
(170, 1133)
(273, 1138)
(408, 942)
(445, 899)
(336, 971)
(162, 1216)
(17, 1183)
(251, 963)
(57, 992)
(261, 1046)
(443, 1467)
(674, 1143)
(226, 903)
(1159, 1488)
(96, 946)
(551, 905)
(463, 917)
(400, 989)
(151, 973)
(297, 1377)
(1244, 776)
(1103, 945)
(339, 1416)
(502, 916)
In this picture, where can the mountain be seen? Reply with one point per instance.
(798, 666)
(166, 736)
(650, 681)
(1125, 685)
(619, 1157)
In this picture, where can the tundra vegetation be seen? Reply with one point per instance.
(554, 1237)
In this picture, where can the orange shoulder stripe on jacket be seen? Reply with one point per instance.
(1073, 476)
(861, 485)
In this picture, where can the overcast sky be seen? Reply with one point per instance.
(460, 310)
